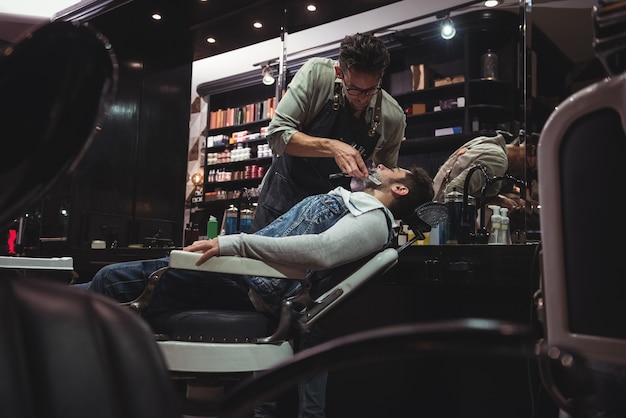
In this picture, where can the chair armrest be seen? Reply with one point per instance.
(234, 265)
(185, 260)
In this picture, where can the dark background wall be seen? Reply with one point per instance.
(131, 182)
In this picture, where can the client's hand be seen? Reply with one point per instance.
(209, 248)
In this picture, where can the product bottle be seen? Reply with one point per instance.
(496, 219)
(489, 64)
(229, 223)
(211, 227)
(246, 219)
(454, 203)
(435, 234)
(505, 233)
(403, 235)
(187, 239)
(195, 233)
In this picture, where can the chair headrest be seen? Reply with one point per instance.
(425, 217)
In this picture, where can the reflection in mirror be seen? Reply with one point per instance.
(559, 61)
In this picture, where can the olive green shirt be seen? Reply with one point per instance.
(311, 88)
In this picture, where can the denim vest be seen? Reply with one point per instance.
(312, 215)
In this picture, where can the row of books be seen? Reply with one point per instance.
(233, 116)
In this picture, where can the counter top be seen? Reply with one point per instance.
(494, 265)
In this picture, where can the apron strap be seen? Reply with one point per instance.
(376, 116)
(337, 96)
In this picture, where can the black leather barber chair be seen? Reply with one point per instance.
(213, 349)
(64, 353)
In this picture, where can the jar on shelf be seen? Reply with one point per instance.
(489, 65)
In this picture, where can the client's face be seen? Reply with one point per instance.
(385, 175)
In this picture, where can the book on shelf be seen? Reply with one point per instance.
(248, 113)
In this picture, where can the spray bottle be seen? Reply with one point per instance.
(505, 233)
(494, 235)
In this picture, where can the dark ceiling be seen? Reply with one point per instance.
(567, 22)
(228, 21)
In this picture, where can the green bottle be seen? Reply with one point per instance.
(211, 227)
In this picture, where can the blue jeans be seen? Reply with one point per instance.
(177, 289)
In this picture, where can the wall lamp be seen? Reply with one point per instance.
(268, 75)
(448, 31)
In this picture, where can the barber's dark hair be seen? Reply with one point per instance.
(420, 186)
(363, 53)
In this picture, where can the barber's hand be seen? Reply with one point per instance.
(349, 160)
(509, 202)
(209, 248)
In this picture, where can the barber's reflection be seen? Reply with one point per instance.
(482, 184)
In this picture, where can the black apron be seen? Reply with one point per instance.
(290, 179)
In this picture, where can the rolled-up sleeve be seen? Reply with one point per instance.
(310, 89)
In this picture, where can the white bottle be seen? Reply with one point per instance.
(494, 235)
(505, 232)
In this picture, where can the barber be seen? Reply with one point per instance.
(333, 118)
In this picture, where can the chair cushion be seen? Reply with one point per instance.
(65, 353)
(213, 325)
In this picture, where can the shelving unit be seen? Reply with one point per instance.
(230, 181)
(485, 105)
(480, 106)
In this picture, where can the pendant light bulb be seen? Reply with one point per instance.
(448, 31)
(268, 75)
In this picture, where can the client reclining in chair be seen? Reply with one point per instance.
(319, 234)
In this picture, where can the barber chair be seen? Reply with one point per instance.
(580, 157)
(64, 353)
(211, 350)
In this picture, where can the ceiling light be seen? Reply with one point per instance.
(491, 3)
(257, 25)
(311, 7)
(156, 16)
(211, 40)
(447, 29)
(268, 75)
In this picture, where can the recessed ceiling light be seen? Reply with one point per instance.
(211, 40)
(491, 3)
(311, 7)
(257, 25)
(156, 16)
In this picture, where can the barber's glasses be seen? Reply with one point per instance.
(355, 91)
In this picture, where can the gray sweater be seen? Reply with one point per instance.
(361, 232)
